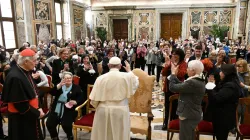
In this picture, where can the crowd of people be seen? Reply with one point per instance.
(182, 64)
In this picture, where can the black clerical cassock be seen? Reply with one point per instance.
(20, 92)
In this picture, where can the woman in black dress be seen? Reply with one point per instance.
(67, 97)
(223, 100)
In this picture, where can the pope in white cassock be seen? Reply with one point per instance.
(110, 96)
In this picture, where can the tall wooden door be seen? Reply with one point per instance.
(171, 26)
(120, 27)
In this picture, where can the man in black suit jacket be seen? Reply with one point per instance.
(105, 61)
(197, 54)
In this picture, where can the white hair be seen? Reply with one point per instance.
(25, 43)
(22, 59)
(197, 66)
(40, 44)
(66, 73)
(32, 46)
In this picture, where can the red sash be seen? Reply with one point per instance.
(33, 103)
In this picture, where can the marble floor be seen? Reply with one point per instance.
(157, 133)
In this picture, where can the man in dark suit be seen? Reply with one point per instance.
(197, 54)
(105, 61)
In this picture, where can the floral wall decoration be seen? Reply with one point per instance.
(144, 33)
(201, 20)
(210, 17)
(144, 18)
(225, 16)
(43, 32)
(195, 17)
(42, 10)
(78, 16)
(101, 20)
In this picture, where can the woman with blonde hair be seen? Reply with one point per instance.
(244, 76)
(53, 51)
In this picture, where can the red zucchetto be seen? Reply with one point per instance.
(27, 53)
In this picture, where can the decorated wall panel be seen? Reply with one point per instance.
(20, 24)
(201, 20)
(101, 19)
(242, 18)
(79, 22)
(43, 20)
(21, 33)
(144, 25)
(43, 31)
(42, 10)
(141, 23)
(19, 9)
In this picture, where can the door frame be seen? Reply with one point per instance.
(175, 10)
(129, 17)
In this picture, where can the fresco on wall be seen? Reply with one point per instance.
(144, 18)
(225, 16)
(101, 19)
(195, 17)
(19, 10)
(43, 31)
(201, 19)
(143, 33)
(242, 20)
(210, 17)
(21, 33)
(207, 30)
(41, 10)
(78, 32)
(78, 15)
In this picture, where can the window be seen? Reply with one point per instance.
(58, 11)
(7, 26)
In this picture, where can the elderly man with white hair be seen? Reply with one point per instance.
(21, 94)
(110, 98)
(191, 93)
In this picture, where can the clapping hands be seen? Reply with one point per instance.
(174, 69)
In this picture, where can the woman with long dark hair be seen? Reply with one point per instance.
(223, 100)
(177, 59)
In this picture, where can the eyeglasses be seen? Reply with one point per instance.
(239, 66)
(68, 78)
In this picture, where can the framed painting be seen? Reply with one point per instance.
(43, 32)
(78, 15)
(42, 10)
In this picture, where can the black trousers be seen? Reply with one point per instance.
(220, 132)
(132, 65)
(158, 73)
(140, 63)
(1, 126)
(151, 69)
(66, 123)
